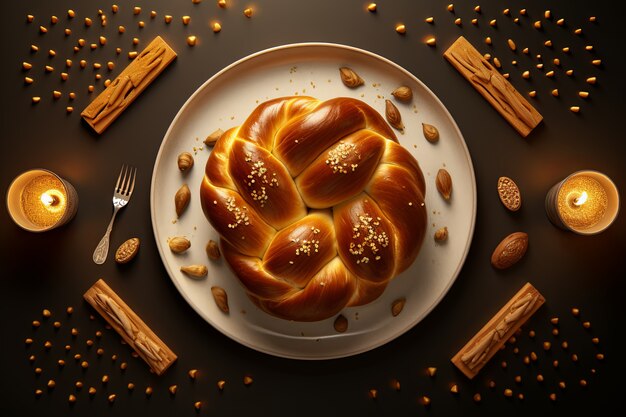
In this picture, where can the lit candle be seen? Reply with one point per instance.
(585, 202)
(40, 200)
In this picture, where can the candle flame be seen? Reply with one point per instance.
(581, 200)
(49, 199)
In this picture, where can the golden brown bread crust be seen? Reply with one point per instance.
(317, 205)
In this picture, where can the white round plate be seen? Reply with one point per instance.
(224, 101)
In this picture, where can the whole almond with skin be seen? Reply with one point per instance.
(510, 250)
(213, 250)
(179, 244)
(393, 115)
(403, 93)
(350, 78)
(213, 137)
(431, 133)
(341, 324)
(221, 298)
(397, 306)
(195, 271)
(127, 251)
(443, 182)
(181, 199)
(509, 193)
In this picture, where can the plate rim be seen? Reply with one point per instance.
(353, 49)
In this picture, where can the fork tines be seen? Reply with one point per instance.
(126, 180)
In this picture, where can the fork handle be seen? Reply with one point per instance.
(100, 254)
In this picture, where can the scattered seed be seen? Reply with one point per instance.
(493, 23)
(592, 19)
(51, 383)
(32, 358)
(506, 12)
(477, 9)
(488, 40)
(523, 12)
(46, 313)
(30, 18)
(71, 398)
(548, 43)
(38, 371)
(372, 393)
(431, 41)
(566, 49)
(474, 21)
(539, 378)
(560, 22)
(550, 74)
(401, 29)
(429, 19)
(582, 383)
(555, 363)
(569, 72)
(425, 401)
(47, 344)
(492, 384)
(454, 389)
(216, 27)
(132, 55)
(578, 31)
(247, 380)
(526, 51)
(148, 391)
(167, 18)
(503, 364)
(539, 66)
(597, 62)
(575, 109)
(220, 384)
(450, 7)
(136, 10)
(395, 384)
(221, 3)
(61, 362)
(589, 48)
(192, 373)
(477, 398)
(197, 405)
(595, 340)
(526, 74)
(431, 371)
(555, 93)
(600, 356)
(105, 379)
(34, 48)
(508, 392)
(192, 40)
(172, 389)
(84, 364)
(111, 398)
(565, 345)
(574, 357)
(88, 22)
(511, 44)
(458, 21)
(123, 366)
(92, 391)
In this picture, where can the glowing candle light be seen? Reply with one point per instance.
(585, 202)
(39, 200)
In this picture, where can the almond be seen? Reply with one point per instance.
(397, 306)
(444, 183)
(341, 323)
(221, 298)
(510, 250)
(509, 193)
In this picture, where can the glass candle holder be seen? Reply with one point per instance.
(40, 200)
(586, 202)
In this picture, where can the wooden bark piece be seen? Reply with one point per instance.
(128, 324)
(496, 89)
(477, 352)
(124, 89)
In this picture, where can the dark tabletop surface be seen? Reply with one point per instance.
(52, 270)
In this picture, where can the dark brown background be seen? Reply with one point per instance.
(53, 269)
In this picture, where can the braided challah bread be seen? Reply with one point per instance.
(317, 205)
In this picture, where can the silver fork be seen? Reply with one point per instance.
(121, 195)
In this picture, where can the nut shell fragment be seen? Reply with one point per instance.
(509, 193)
(441, 235)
